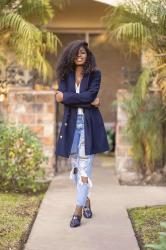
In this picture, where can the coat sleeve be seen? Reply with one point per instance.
(87, 96)
(81, 105)
(62, 88)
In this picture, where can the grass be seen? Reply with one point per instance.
(17, 214)
(146, 223)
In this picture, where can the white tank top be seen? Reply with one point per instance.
(77, 87)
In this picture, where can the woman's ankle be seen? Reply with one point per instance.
(78, 211)
(87, 204)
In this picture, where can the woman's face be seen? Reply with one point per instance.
(81, 57)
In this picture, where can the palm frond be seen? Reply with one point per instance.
(29, 42)
(141, 25)
(146, 116)
(61, 3)
(16, 23)
(51, 41)
(144, 129)
(142, 86)
(43, 66)
(32, 55)
(137, 32)
(135, 23)
(2, 59)
(4, 3)
(42, 10)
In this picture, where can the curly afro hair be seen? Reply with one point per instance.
(66, 63)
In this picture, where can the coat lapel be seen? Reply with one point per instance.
(84, 82)
(71, 82)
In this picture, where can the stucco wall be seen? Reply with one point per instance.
(79, 14)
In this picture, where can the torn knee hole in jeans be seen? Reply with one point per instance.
(84, 179)
(82, 182)
(83, 174)
(75, 170)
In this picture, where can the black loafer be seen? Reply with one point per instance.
(75, 221)
(87, 212)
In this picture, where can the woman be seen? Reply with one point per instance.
(82, 133)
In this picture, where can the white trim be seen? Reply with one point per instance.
(75, 30)
(87, 37)
(110, 2)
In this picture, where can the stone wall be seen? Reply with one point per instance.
(36, 109)
(125, 165)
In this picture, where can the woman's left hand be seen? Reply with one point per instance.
(96, 102)
(59, 96)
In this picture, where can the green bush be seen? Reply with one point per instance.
(21, 159)
(111, 139)
(146, 119)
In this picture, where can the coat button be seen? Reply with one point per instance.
(66, 124)
(61, 136)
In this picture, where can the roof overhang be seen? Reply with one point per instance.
(111, 2)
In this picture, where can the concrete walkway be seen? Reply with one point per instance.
(110, 227)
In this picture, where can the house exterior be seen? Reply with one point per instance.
(37, 109)
(83, 20)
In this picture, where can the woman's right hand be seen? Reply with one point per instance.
(96, 102)
(59, 96)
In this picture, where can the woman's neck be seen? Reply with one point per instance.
(78, 74)
(79, 70)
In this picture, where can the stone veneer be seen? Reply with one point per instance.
(36, 109)
(125, 165)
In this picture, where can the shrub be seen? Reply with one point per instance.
(146, 119)
(21, 159)
(111, 139)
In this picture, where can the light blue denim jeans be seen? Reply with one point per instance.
(82, 162)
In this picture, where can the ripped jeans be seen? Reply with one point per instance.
(81, 164)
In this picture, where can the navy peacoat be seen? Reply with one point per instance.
(95, 134)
